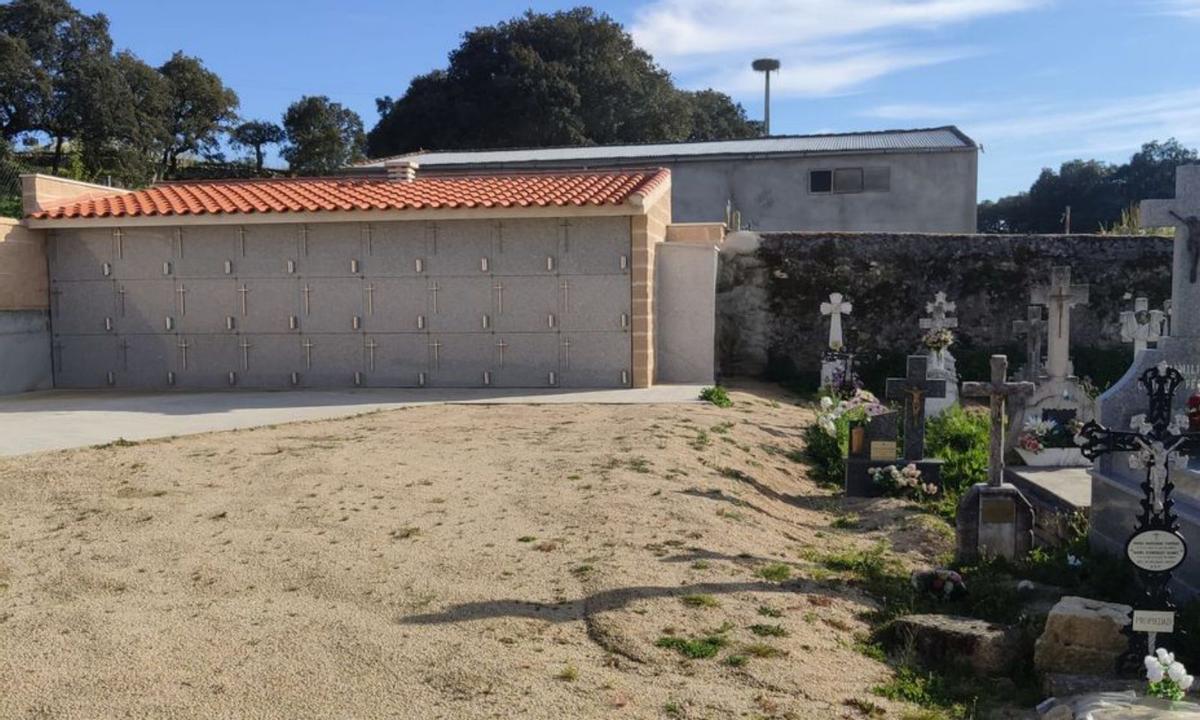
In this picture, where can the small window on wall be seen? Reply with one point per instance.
(877, 179)
(848, 180)
(820, 181)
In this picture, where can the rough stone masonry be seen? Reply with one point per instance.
(769, 283)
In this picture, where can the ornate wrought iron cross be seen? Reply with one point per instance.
(1158, 442)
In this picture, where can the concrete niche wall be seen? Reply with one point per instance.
(24, 316)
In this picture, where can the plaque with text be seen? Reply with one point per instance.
(1156, 550)
(1153, 621)
(883, 450)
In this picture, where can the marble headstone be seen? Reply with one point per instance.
(1116, 489)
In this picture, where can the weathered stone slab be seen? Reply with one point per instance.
(1082, 636)
(939, 640)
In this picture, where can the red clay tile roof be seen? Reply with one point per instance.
(220, 197)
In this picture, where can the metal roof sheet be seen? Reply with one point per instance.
(942, 138)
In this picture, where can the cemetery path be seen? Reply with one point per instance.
(442, 562)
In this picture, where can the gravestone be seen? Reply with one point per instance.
(913, 389)
(1158, 442)
(942, 365)
(1058, 391)
(1141, 325)
(835, 362)
(1033, 327)
(1117, 487)
(994, 519)
(872, 445)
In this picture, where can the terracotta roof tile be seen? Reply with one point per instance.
(219, 197)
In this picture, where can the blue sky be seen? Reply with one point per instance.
(1035, 82)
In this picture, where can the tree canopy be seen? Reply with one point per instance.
(573, 77)
(255, 135)
(1097, 192)
(322, 136)
(200, 108)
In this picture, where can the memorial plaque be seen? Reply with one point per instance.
(1156, 550)
(883, 450)
(997, 510)
(1153, 621)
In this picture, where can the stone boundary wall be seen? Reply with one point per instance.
(770, 286)
(24, 310)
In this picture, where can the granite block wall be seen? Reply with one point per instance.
(770, 286)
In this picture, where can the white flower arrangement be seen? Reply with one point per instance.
(903, 481)
(862, 404)
(1168, 678)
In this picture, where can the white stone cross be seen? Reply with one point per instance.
(1060, 296)
(835, 309)
(939, 311)
(1184, 213)
(1141, 325)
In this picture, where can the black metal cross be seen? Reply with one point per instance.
(998, 390)
(1159, 442)
(913, 389)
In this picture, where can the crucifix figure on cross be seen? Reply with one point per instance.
(998, 390)
(1182, 212)
(835, 309)
(913, 389)
(1158, 443)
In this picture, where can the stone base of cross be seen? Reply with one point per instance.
(994, 519)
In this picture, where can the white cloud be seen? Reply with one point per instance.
(826, 46)
(1119, 124)
(948, 112)
(1180, 8)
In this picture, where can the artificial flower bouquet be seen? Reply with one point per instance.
(1168, 678)
(905, 481)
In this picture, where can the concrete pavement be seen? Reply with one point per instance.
(60, 419)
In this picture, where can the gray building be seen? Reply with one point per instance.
(537, 280)
(921, 180)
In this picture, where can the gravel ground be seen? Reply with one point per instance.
(438, 562)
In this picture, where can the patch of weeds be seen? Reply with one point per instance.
(582, 570)
(768, 611)
(774, 572)
(118, 443)
(701, 565)
(722, 428)
(717, 396)
(731, 514)
(638, 465)
(673, 709)
(699, 648)
(762, 630)
(925, 689)
(526, 538)
(701, 441)
(736, 660)
(866, 707)
(568, 674)
(700, 600)
(735, 474)
(763, 650)
(848, 521)
(404, 533)
(874, 651)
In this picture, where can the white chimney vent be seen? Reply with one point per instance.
(404, 171)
